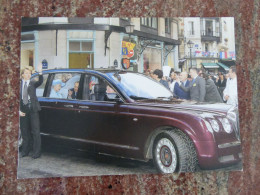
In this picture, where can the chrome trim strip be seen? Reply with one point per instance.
(68, 106)
(227, 145)
(91, 141)
(84, 107)
(228, 158)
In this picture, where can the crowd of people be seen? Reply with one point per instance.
(200, 86)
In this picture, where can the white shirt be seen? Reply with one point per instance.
(231, 91)
(27, 83)
(172, 86)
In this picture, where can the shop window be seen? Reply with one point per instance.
(152, 58)
(27, 49)
(170, 60)
(81, 60)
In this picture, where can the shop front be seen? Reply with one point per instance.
(152, 57)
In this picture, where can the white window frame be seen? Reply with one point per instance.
(93, 40)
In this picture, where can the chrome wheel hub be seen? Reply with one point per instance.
(166, 156)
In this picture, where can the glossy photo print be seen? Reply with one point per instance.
(120, 96)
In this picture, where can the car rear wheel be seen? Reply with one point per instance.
(173, 151)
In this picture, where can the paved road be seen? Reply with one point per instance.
(64, 163)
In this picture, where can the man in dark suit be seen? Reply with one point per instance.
(73, 91)
(212, 93)
(178, 91)
(157, 75)
(197, 86)
(29, 116)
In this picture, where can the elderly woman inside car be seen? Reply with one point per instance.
(55, 90)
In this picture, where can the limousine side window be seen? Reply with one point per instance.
(40, 89)
(65, 86)
(97, 89)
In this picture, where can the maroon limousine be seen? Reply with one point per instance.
(129, 115)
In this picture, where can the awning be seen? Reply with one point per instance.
(210, 65)
(223, 66)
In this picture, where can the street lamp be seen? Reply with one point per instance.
(190, 45)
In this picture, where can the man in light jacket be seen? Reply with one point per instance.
(230, 92)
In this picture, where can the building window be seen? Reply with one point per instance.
(81, 49)
(191, 28)
(209, 28)
(28, 49)
(167, 25)
(149, 22)
(194, 63)
(81, 54)
(206, 47)
(217, 29)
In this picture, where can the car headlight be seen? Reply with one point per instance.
(226, 125)
(214, 125)
(208, 126)
(232, 114)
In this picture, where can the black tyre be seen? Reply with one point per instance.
(173, 152)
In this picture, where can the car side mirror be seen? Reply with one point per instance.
(113, 97)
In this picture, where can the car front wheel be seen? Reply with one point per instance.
(173, 151)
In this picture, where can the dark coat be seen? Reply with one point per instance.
(197, 89)
(221, 84)
(32, 93)
(180, 93)
(73, 95)
(212, 93)
(165, 84)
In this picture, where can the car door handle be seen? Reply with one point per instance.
(68, 106)
(85, 107)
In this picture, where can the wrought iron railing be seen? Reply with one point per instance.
(210, 33)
